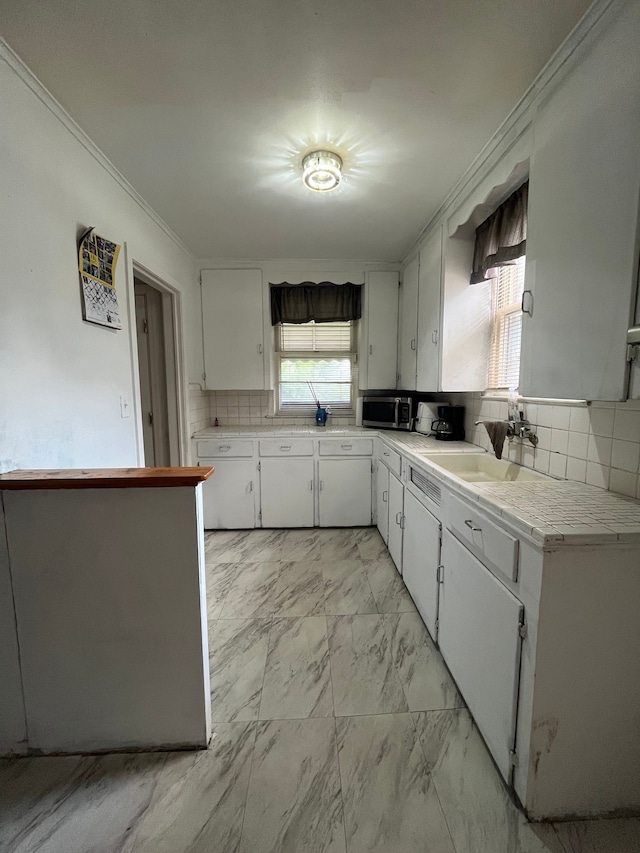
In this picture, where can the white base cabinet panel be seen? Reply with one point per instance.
(382, 501)
(286, 492)
(420, 559)
(344, 492)
(229, 494)
(396, 509)
(479, 637)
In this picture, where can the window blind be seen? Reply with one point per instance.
(318, 354)
(504, 359)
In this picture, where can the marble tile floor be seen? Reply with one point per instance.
(337, 729)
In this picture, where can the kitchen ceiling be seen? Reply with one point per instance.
(208, 106)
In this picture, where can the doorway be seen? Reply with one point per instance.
(156, 366)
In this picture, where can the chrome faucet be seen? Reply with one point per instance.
(519, 429)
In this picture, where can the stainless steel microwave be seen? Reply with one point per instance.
(387, 412)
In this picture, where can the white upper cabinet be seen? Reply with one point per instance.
(429, 290)
(583, 224)
(233, 332)
(378, 363)
(408, 327)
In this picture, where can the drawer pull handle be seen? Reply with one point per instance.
(386, 453)
(470, 525)
(285, 447)
(385, 496)
(310, 485)
(398, 517)
(224, 447)
(346, 446)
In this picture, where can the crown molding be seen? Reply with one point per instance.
(298, 263)
(587, 30)
(55, 108)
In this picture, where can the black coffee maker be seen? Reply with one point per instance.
(450, 423)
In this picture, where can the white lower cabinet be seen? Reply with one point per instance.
(229, 494)
(421, 558)
(286, 492)
(479, 636)
(396, 522)
(382, 501)
(344, 492)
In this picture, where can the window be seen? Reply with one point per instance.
(321, 355)
(506, 325)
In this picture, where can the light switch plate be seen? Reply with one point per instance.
(124, 406)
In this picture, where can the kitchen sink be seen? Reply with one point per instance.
(483, 468)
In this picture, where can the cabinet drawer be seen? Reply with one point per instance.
(286, 447)
(391, 459)
(346, 446)
(220, 447)
(496, 548)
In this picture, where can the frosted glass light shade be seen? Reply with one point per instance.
(321, 171)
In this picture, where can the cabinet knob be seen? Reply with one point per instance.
(346, 446)
(385, 495)
(285, 447)
(413, 343)
(529, 301)
(470, 525)
(370, 349)
(260, 349)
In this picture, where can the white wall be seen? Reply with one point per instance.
(61, 378)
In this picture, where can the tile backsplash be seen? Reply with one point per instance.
(596, 443)
(242, 408)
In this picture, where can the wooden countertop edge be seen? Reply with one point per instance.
(104, 478)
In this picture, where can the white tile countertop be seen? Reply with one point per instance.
(551, 513)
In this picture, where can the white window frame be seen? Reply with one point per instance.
(498, 318)
(337, 410)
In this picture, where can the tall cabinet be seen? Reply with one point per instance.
(378, 361)
(429, 289)
(233, 332)
(408, 326)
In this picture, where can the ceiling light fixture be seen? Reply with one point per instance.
(321, 171)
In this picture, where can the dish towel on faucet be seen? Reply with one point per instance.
(497, 433)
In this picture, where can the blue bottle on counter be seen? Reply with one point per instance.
(321, 416)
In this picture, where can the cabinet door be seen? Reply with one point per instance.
(232, 329)
(229, 494)
(582, 225)
(429, 288)
(407, 343)
(420, 559)
(345, 492)
(382, 316)
(479, 637)
(382, 501)
(286, 492)
(396, 508)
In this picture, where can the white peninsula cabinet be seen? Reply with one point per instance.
(232, 328)
(582, 260)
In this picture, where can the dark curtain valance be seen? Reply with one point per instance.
(324, 302)
(502, 238)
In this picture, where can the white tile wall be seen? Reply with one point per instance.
(597, 443)
(199, 409)
(249, 408)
